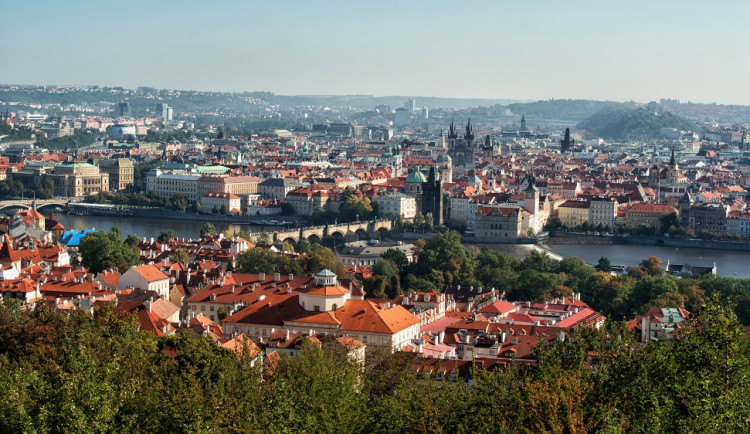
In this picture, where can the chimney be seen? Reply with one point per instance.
(262, 277)
(276, 277)
(149, 303)
(291, 276)
(441, 336)
(287, 335)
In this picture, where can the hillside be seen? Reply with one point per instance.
(573, 110)
(618, 122)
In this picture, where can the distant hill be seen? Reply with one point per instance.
(571, 110)
(620, 122)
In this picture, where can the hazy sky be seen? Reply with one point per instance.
(639, 50)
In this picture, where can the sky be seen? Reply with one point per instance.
(527, 50)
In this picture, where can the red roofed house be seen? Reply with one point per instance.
(323, 306)
(211, 201)
(146, 277)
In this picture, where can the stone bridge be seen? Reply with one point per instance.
(340, 233)
(38, 204)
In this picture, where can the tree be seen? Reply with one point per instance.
(287, 209)
(178, 202)
(385, 267)
(181, 256)
(132, 240)
(322, 258)
(197, 207)
(264, 238)
(397, 256)
(286, 246)
(208, 229)
(652, 266)
(604, 265)
(166, 235)
(223, 210)
(104, 250)
(304, 246)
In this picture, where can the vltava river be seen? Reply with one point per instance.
(729, 263)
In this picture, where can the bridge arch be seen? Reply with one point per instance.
(361, 234)
(314, 238)
(289, 240)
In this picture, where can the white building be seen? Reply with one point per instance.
(146, 277)
(231, 202)
(396, 204)
(169, 184)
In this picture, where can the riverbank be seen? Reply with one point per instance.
(568, 238)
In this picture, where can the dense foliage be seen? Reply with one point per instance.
(75, 372)
(9, 188)
(9, 133)
(444, 261)
(619, 122)
(77, 140)
(106, 250)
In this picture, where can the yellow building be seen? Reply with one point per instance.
(75, 179)
(120, 171)
(573, 213)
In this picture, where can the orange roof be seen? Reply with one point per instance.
(150, 273)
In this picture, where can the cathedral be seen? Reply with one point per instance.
(461, 150)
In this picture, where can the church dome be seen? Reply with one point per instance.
(416, 176)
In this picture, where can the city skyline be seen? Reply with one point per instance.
(636, 51)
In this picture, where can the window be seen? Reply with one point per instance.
(316, 308)
(203, 308)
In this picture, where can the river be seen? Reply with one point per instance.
(729, 263)
(151, 227)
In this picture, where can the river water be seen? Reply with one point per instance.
(729, 263)
(151, 227)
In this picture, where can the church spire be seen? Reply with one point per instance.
(452, 130)
(671, 160)
(469, 136)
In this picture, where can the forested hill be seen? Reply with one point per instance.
(620, 122)
(572, 110)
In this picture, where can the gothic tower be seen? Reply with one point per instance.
(432, 197)
(566, 143)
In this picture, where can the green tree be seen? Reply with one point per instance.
(604, 265)
(166, 235)
(181, 256)
(132, 240)
(385, 267)
(286, 246)
(652, 266)
(264, 238)
(208, 229)
(104, 250)
(287, 209)
(322, 258)
(304, 246)
(178, 202)
(223, 210)
(397, 256)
